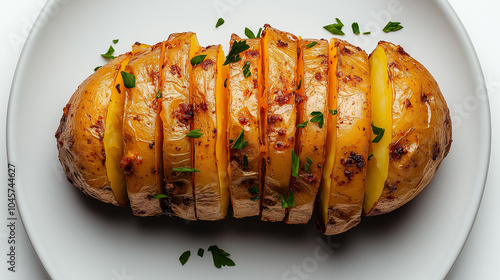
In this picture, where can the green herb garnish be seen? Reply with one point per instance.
(158, 94)
(254, 190)
(307, 164)
(186, 169)
(287, 202)
(254, 198)
(370, 156)
(115, 41)
(246, 69)
(197, 59)
(318, 118)
(312, 44)
(333, 112)
(220, 22)
(109, 53)
(335, 28)
(240, 142)
(221, 257)
(185, 257)
(392, 26)
(355, 28)
(295, 165)
(245, 162)
(225, 83)
(249, 33)
(258, 33)
(300, 83)
(201, 252)
(378, 131)
(195, 133)
(366, 33)
(302, 125)
(158, 196)
(236, 49)
(95, 69)
(128, 79)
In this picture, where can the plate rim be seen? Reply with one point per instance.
(472, 59)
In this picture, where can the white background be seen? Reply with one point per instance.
(479, 259)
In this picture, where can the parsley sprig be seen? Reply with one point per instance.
(185, 257)
(234, 54)
(109, 53)
(287, 202)
(335, 28)
(197, 59)
(392, 26)
(318, 118)
(220, 22)
(254, 191)
(246, 69)
(128, 79)
(220, 257)
(185, 169)
(240, 142)
(295, 165)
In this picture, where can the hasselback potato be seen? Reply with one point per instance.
(279, 127)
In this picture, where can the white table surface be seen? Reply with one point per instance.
(480, 257)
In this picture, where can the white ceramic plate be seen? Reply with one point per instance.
(76, 237)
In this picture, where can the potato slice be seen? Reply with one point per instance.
(343, 209)
(113, 137)
(244, 115)
(418, 134)
(211, 184)
(280, 66)
(177, 118)
(311, 139)
(142, 129)
(81, 132)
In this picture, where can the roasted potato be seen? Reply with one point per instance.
(286, 125)
(409, 105)
(342, 191)
(280, 84)
(81, 133)
(141, 132)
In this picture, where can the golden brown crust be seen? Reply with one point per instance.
(421, 130)
(81, 132)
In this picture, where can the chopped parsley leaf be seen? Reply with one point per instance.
(318, 118)
(195, 133)
(392, 26)
(128, 79)
(197, 59)
(378, 131)
(185, 257)
(295, 165)
(240, 142)
(186, 169)
(220, 257)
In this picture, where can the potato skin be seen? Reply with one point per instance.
(352, 143)
(421, 130)
(81, 132)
